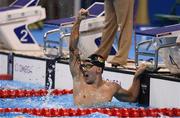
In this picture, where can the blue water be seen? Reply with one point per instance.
(18, 85)
(16, 115)
(61, 101)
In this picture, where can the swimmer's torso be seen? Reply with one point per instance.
(86, 95)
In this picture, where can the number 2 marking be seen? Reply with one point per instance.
(23, 38)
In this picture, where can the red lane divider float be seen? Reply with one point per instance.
(120, 112)
(5, 77)
(6, 93)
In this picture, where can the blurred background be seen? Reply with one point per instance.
(146, 12)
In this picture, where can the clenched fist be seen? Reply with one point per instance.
(82, 14)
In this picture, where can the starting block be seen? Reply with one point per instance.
(14, 21)
(165, 43)
(90, 31)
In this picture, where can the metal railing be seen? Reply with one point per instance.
(54, 51)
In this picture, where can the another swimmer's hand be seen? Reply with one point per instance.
(82, 14)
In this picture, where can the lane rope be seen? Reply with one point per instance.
(119, 112)
(16, 93)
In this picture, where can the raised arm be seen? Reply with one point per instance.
(73, 45)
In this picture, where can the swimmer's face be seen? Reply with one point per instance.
(89, 72)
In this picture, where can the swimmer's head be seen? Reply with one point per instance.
(92, 68)
(97, 60)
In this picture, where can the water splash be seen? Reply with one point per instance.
(49, 89)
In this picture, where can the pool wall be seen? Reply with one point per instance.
(3, 63)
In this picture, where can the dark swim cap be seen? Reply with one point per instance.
(97, 60)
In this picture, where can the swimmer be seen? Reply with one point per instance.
(89, 88)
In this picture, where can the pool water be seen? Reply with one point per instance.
(63, 101)
(6, 84)
(60, 101)
(18, 115)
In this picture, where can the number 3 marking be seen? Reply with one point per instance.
(23, 38)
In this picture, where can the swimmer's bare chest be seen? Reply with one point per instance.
(88, 95)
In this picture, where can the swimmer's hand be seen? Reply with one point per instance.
(82, 14)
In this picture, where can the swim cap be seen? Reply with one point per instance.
(97, 60)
